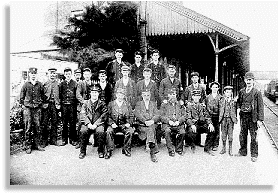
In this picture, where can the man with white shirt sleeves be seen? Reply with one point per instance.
(32, 97)
(251, 114)
(106, 89)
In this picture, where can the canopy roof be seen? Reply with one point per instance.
(168, 18)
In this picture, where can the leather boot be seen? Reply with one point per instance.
(223, 151)
(230, 148)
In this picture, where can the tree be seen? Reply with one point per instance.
(93, 38)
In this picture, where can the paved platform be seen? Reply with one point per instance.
(61, 165)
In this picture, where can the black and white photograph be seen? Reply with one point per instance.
(143, 93)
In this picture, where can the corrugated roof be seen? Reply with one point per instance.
(166, 17)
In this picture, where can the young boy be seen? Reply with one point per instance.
(227, 118)
(212, 106)
(137, 68)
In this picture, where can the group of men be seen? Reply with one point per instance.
(143, 98)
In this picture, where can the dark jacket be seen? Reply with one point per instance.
(120, 115)
(188, 93)
(232, 110)
(113, 70)
(130, 89)
(213, 104)
(197, 113)
(106, 95)
(158, 72)
(54, 87)
(136, 72)
(140, 87)
(32, 96)
(142, 114)
(96, 116)
(82, 93)
(67, 92)
(167, 84)
(257, 104)
(171, 112)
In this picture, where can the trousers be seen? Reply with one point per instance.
(174, 137)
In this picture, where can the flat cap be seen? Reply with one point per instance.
(86, 70)
(119, 51)
(102, 72)
(121, 90)
(77, 70)
(52, 69)
(155, 51)
(170, 66)
(138, 53)
(228, 88)
(67, 69)
(125, 68)
(249, 75)
(214, 83)
(195, 74)
(171, 91)
(33, 70)
(147, 69)
(196, 92)
(94, 88)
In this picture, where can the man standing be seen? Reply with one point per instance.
(119, 120)
(128, 85)
(194, 86)
(82, 94)
(251, 114)
(170, 82)
(212, 103)
(93, 116)
(51, 107)
(137, 68)
(113, 68)
(147, 115)
(173, 116)
(106, 90)
(31, 97)
(67, 94)
(77, 75)
(147, 84)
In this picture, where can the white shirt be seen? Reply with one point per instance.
(146, 82)
(146, 103)
(138, 64)
(172, 79)
(33, 82)
(119, 103)
(103, 85)
(248, 89)
(125, 81)
(155, 62)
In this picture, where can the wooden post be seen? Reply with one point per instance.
(216, 58)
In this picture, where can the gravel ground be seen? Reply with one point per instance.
(61, 166)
